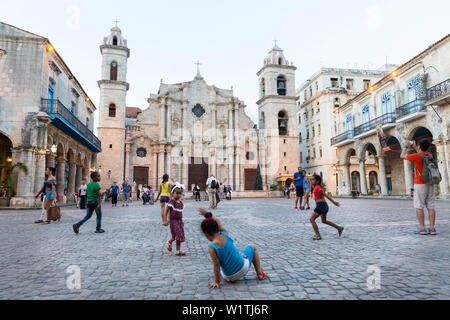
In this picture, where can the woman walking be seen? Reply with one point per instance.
(49, 191)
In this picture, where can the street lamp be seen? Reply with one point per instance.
(54, 148)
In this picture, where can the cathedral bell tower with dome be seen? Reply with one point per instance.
(277, 114)
(112, 107)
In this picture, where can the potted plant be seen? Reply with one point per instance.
(7, 190)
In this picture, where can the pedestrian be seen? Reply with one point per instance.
(82, 193)
(212, 186)
(298, 179)
(229, 192)
(126, 190)
(138, 194)
(145, 195)
(114, 194)
(306, 189)
(288, 192)
(228, 264)
(424, 194)
(322, 208)
(152, 195)
(49, 191)
(94, 203)
(197, 193)
(164, 193)
(174, 216)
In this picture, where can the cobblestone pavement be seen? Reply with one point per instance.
(129, 262)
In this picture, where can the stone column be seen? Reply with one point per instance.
(40, 170)
(409, 176)
(154, 182)
(185, 164)
(169, 121)
(85, 174)
(382, 176)
(230, 163)
(50, 161)
(78, 178)
(25, 182)
(442, 161)
(72, 179)
(60, 170)
(127, 162)
(362, 174)
(347, 190)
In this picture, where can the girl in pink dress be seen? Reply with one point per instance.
(174, 215)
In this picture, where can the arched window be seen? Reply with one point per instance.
(112, 110)
(280, 61)
(281, 86)
(113, 73)
(283, 123)
(115, 41)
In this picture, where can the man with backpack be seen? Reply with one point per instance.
(426, 176)
(212, 186)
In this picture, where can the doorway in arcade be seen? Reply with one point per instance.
(198, 173)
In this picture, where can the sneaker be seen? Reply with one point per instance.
(317, 237)
(308, 208)
(295, 208)
(302, 208)
(417, 231)
(423, 232)
(39, 221)
(341, 230)
(432, 232)
(100, 231)
(76, 228)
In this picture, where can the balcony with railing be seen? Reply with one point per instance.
(439, 94)
(343, 139)
(410, 111)
(66, 121)
(370, 126)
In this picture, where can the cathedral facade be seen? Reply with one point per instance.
(192, 129)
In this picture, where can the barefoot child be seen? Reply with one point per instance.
(229, 264)
(164, 193)
(321, 209)
(174, 214)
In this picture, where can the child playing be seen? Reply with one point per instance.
(164, 194)
(229, 265)
(321, 209)
(174, 212)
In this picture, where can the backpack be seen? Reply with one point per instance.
(430, 173)
(214, 184)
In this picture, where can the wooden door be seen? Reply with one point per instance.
(198, 173)
(250, 177)
(140, 175)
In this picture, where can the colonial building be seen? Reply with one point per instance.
(319, 98)
(192, 129)
(410, 103)
(46, 118)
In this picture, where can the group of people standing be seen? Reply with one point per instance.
(216, 191)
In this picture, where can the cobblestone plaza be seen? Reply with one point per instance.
(129, 260)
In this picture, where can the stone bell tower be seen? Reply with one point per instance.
(113, 93)
(277, 114)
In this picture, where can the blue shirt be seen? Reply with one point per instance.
(298, 183)
(126, 188)
(115, 190)
(231, 261)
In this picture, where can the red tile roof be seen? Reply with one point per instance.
(132, 112)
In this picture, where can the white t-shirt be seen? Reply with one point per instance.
(83, 190)
(210, 180)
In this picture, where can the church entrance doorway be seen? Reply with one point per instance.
(198, 173)
(250, 178)
(140, 175)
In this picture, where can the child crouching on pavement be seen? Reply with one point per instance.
(229, 265)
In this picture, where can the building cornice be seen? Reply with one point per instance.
(277, 97)
(114, 82)
(107, 46)
(275, 66)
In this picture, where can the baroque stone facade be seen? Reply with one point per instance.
(192, 129)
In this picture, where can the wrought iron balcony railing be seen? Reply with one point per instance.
(55, 107)
(375, 123)
(409, 108)
(342, 137)
(439, 90)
